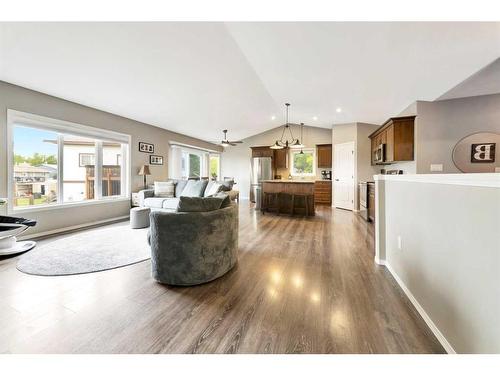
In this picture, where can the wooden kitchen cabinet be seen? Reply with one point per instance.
(281, 158)
(398, 136)
(324, 156)
(371, 201)
(389, 144)
(323, 192)
(262, 151)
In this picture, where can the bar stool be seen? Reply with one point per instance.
(271, 202)
(287, 197)
(306, 202)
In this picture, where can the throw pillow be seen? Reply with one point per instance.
(179, 187)
(207, 189)
(194, 188)
(199, 204)
(212, 189)
(226, 199)
(227, 185)
(164, 189)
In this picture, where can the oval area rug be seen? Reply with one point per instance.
(90, 251)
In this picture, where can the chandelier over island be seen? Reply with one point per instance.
(284, 141)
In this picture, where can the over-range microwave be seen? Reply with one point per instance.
(379, 154)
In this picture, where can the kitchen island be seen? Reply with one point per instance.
(281, 194)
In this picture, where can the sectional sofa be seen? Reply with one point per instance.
(185, 188)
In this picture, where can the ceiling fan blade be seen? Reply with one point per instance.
(236, 141)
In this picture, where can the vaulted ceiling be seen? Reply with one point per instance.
(199, 78)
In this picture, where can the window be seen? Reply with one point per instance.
(303, 162)
(111, 169)
(93, 162)
(35, 169)
(77, 179)
(191, 165)
(189, 162)
(86, 159)
(215, 166)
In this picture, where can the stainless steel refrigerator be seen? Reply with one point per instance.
(261, 170)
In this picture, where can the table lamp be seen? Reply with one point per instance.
(144, 171)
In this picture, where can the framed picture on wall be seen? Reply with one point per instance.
(155, 160)
(146, 147)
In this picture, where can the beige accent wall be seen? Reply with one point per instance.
(236, 161)
(25, 100)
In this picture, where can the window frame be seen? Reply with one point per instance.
(62, 128)
(80, 154)
(292, 162)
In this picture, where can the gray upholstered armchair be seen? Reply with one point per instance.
(189, 248)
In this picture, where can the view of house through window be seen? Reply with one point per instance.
(35, 167)
(111, 169)
(78, 168)
(302, 163)
(37, 173)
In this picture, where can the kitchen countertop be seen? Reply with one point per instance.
(291, 181)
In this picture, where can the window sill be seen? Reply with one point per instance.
(68, 205)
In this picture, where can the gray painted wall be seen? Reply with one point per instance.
(22, 99)
(442, 124)
(235, 161)
(450, 257)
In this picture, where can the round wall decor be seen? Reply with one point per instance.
(478, 153)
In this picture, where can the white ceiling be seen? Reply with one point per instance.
(484, 82)
(199, 78)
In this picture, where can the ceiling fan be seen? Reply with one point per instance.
(225, 142)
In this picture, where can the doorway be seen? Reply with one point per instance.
(344, 171)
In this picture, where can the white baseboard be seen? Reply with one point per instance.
(379, 261)
(446, 345)
(73, 227)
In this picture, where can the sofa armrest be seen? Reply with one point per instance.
(143, 194)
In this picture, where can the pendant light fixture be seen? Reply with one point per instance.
(286, 142)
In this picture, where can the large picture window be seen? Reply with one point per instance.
(56, 163)
(303, 162)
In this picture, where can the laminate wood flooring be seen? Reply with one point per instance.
(302, 285)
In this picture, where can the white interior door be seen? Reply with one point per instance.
(343, 181)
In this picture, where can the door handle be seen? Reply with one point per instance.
(336, 179)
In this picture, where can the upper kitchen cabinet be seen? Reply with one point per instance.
(324, 153)
(394, 141)
(262, 151)
(281, 158)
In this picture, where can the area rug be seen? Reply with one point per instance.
(90, 251)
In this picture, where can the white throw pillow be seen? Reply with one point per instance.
(164, 189)
(213, 189)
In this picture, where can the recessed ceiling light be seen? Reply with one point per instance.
(315, 118)
(273, 117)
(338, 110)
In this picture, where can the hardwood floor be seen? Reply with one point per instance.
(302, 285)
